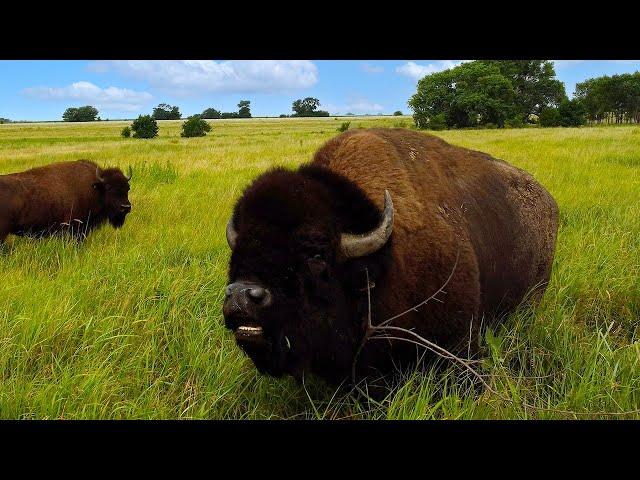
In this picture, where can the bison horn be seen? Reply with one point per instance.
(232, 235)
(354, 246)
(130, 172)
(98, 176)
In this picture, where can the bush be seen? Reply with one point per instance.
(344, 127)
(397, 113)
(514, 122)
(145, 126)
(550, 117)
(572, 113)
(126, 132)
(437, 122)
(283, 115)
(195, 127)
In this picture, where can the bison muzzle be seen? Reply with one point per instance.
(378, 222)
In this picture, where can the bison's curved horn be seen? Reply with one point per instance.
(98, 176)
(354, 246)
(232, 235)
(130, 172)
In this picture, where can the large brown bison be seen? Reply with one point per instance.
(409, 212)
(69, 196)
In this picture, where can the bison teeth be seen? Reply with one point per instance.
(250, 331)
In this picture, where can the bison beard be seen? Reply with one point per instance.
(73, 197)
(303, 243)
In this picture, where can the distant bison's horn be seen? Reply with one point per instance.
(232, 235)
(354, 246)
(130, 172)
(98, 176)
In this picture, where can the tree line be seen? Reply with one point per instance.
(614, 99)
(515, 93)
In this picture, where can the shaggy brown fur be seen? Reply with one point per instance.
(450, 203)
(62, 197)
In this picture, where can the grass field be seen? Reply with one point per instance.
(129, 323)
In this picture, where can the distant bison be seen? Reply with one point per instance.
(409, 210)
(69, 196)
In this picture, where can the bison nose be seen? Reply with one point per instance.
(126, 207)
(245, 291)
(244, 300)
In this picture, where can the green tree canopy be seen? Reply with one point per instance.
(166, 112)
(80, 114)
(243, 109)
(486, 92)
(210, 113)
(612, 99)
(308, 107)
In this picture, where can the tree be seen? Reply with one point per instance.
(243, 109)
(4, 120)
(534, 85)
(195, 126)
(471, 94)
(80, 114)
(126, 132)
(210, 113)
(397, 113)
(308, 108)
(550, 117)
(615, 98)
(572, 113)
(166, 112)
(145, 126)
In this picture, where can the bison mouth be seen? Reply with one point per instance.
(267, 350)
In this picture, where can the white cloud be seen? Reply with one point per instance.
(111, 98)
(416, 71)
(184, 77)
(369, 68)
(358, 107)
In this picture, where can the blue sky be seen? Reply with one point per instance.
(42, 90)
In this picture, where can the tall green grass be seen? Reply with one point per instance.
(128, 324)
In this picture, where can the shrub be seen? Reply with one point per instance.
(514, 122)
(145, 126)
(126, 132)
(195, 127)
(572, 113)
(550, 117)
(344, 127)
(437, 122)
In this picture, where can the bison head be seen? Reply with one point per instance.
(113, 187)
(300, 244)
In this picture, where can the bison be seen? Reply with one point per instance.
(379, 221)
(62, 197)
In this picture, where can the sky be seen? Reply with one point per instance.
(43, 89)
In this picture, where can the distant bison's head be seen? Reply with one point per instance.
(113, 187)
(300, 244)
